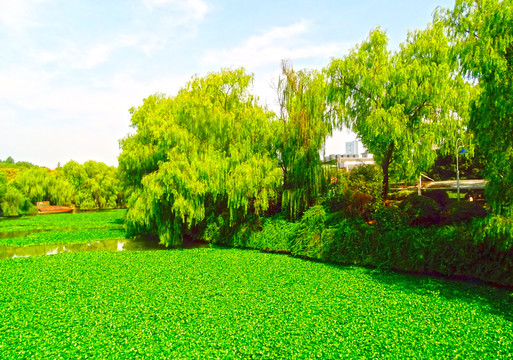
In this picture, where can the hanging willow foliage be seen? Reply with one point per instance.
(205, 153)
(304, 127)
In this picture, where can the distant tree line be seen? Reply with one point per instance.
(92, 185)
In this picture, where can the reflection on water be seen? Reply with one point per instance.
(19, 233)
(136, 244)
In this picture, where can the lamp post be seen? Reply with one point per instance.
(463, 151)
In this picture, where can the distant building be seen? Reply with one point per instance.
(348, 161)
(352, 147)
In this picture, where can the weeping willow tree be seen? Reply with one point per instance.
(201, 159)
(304, 127)
(42, 184)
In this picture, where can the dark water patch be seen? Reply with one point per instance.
(135, 244)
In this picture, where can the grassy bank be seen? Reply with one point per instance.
(228, 303)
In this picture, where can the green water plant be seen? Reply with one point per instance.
(239, 304)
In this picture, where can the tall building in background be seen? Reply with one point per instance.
(352, 147)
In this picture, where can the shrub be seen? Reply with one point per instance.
(421, 210)
(338, 193)
(439, 195)
(354, 204)
(349, 244)
(390, 218)
(367, 180)
(270, 234)
(460, 211)
(308, 240)
(356, 193)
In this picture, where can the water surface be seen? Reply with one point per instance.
(135, 244)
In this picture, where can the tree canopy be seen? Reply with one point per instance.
(3, 184)
(94, 184)
(202, 158)
(42, 184)
(483, 46)
(401, 103)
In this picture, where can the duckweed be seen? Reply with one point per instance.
(84, 220)
(62, 228)
(228, 303)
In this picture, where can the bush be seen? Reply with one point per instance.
(481, 249)
(356, 193)
(308, 240)
(349, 244)
(270, 234)
(421, 210)
(440, 196)
(460, 211)
(390, 218)
(367, 180)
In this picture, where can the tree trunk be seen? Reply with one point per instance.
(384, 166)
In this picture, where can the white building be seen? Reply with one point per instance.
(352, 147)
(348, 161)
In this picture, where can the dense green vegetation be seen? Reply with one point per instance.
(199, 160)
(92, 185)
(62, 228)
(212, 164)
(401, 103)
(483, 47)
(399, 238)
(220, 303)
(213, 158)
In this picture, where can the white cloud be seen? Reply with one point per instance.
(19, 15)
(277, 33)
(270, 48)
(97, 54)
(74, 55)
(71, 122)
(191, 9)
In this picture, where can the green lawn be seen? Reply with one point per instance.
(62, 228)
(228, 303)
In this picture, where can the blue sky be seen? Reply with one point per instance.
(70, 70)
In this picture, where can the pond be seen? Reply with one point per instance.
(134, 244)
